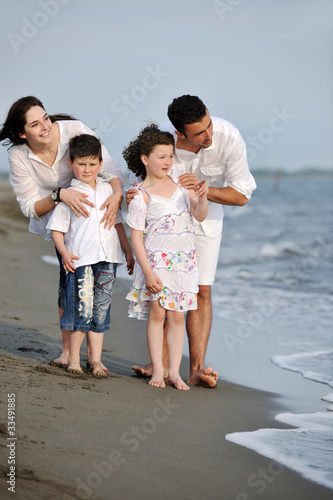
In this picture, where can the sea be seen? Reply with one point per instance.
(273, 315)
(273, 312)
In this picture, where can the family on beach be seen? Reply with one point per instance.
(182, 172)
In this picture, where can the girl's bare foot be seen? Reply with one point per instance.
(178, 383)
(157, 381)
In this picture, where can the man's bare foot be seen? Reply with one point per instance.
(206, 378)
(178, 383)
(157, 381)
(74, 368)
(146, 371)
(97, 369)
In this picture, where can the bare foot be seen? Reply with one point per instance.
(62, 361)
(97, 369)
(157, 381)
(178, 383)
(146, 371)
(206, 378)
(107, 371)
(74, 368)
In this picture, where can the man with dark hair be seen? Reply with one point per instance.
(212, 149)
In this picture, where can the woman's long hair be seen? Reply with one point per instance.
(16, 120)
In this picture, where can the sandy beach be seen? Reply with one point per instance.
(116, 438)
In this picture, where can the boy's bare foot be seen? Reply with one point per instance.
(146, 371)
(62, 361)
(107, 371)
(178, 383)
(74, 368)
(58, 364)
(206, 378)
(97, 369)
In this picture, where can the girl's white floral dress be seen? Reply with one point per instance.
(168, 235)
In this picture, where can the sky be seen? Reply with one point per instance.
(263, 65)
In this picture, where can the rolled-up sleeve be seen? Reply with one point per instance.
(237, 172)
(60, 219)
(23, 184)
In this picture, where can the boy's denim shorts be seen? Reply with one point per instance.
(88, 298)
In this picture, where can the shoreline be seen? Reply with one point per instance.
(81, 437)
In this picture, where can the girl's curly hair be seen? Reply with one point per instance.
(148, 138)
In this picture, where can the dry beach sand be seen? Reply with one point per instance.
(116, 438)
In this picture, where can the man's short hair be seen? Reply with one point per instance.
(185, 110)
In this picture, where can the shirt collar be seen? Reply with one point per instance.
(201, 151)
(76, 182)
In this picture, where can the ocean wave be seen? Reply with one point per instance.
(280, 250)
(306, 450)
(316, 366)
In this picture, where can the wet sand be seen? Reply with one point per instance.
(116, 438)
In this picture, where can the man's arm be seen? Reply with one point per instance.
(226, 196)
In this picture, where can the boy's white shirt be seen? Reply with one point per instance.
(86, 237)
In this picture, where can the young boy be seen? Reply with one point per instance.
(90, 254)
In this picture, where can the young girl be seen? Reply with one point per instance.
(165, 279)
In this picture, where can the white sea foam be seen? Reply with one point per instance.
(306, 449)
(328, 397)
(50, 259)
(317, 366)
(281, 249)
